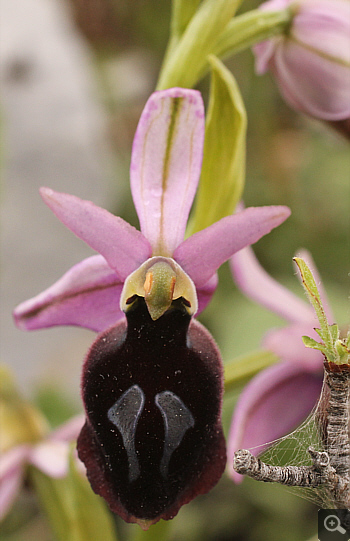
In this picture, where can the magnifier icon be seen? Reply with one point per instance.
(332, 524)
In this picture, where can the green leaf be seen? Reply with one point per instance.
(92, 519)
(343, 352)
(186, 60)
(319, 332)
(311, 343)
(223, 168)
(74, 511)
(246, 366)
(334, 330)
(315, 299)
(52, 495)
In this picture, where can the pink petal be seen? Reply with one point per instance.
(275, 5)
(273, 403)
(87, 296)
(259, 286)
(12, 459)
(312, 83)
(70, 430)
(11, 474)
(165, 165)
(287, 344)
(123, 247)
(51, 457)
(264, 51)
(203, 253)
(205, 293)
(324, 25)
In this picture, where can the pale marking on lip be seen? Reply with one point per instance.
(177, 420)
(124, 414)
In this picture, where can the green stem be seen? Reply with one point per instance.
(250, 28)
(182, 13)
(186, 61)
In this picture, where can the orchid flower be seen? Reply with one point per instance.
(280, 397)
(311, 61)
(152, 382)
(165, 169)
(50, 455)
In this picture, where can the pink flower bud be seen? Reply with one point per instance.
(311, 62)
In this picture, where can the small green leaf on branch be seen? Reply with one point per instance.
(334, 348)
(311, 343)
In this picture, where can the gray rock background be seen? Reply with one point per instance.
(54, 134)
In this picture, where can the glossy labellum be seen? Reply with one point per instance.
(152, 391)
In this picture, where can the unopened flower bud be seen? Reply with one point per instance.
(311, 61)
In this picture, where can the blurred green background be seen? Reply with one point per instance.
(291, 160)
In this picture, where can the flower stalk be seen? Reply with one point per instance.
(213, 30)
(185, 61)
(244, 31)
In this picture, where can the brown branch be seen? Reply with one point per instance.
(321, 473)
